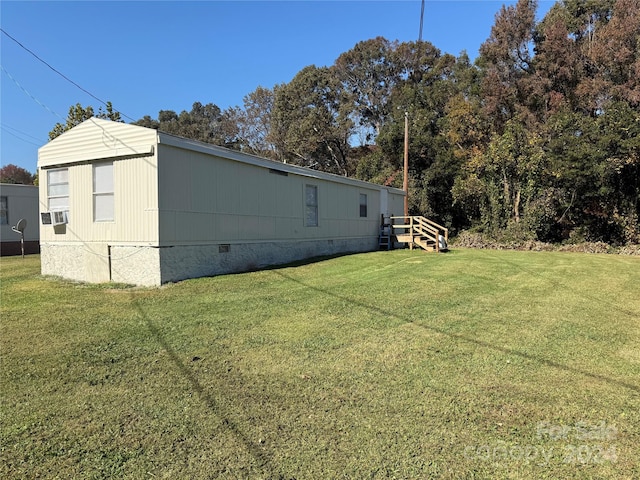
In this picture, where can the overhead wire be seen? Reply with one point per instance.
(60, 73)
(7, 130)
(9, 127)
(31, 96)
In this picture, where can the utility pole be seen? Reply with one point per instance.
(421, 19)
(405, 183)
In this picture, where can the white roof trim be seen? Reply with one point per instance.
(111, 154)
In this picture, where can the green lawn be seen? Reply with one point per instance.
(403, 364)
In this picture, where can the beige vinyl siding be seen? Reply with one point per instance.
(134, 177)
(396, 204)
(97, 139)
(206, 198)
(135, 205)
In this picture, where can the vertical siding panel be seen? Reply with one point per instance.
(135, 200)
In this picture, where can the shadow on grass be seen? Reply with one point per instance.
(534, 358)
(311, 261)
(263, 460)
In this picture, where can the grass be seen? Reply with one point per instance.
(470, 364)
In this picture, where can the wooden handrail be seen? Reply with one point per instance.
(440, 227)
(422, 227)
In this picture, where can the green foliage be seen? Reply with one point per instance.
(310, 123)
(561, 160)
(368, 74)
(205, 123)
(78, 114)
(254, 123)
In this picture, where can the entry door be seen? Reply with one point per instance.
(384, 202)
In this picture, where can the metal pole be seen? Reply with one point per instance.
(421, 19)
(405, 183)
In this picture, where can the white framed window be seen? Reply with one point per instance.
(58, 189)
(363, 205)
(311, 206)
(4, 210)
(103, 192)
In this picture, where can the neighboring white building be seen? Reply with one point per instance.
(17, 202)
(145, 207)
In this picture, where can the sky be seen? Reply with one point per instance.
(147, 56)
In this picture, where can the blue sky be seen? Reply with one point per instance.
(147, 56)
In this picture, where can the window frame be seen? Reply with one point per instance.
(57, 196)
(311, 209)
(4, 210)
(103, 193)
(364, 207)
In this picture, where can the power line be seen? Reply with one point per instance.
(60, 73)
(9, 127)
(21, 139)
(31, 96)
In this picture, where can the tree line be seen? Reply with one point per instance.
(538, 139)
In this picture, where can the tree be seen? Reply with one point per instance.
(505, 180)
(205, 123)
(13, 174)
(616, 54)
(368, 74)
(310, 124)
(148, 122)
(506, 59)
(425, 85)
(254, 123)
(78, 114)
(559, 65)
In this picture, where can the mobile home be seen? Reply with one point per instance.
(131, 204)
(18, 202)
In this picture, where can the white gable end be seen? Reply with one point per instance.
(96, 138)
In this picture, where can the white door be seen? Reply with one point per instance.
(384, 202)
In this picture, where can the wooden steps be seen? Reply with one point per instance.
(418, 231)
(385, 238)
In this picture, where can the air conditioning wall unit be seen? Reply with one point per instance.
(55, 217)
(59, 217)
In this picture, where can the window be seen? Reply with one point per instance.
(311, 206)
(58, 189)
(103, 205)
(4, 211)
(363, 204)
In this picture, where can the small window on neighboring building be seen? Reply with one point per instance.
(103, 204)
(4, 211)
(363, 204)
(58, 189)
(311, 206)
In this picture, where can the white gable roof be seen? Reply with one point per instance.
(96, 138)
